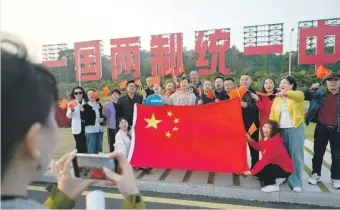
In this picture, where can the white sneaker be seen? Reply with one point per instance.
(270, 188)
(279, 181)
(336, 183)
(297, 189)
(314, 179)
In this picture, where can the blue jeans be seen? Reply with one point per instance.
(94, 142)
(294, 139)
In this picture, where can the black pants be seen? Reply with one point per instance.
(270, 172)
(81, 141)
(322, 135)
(255, 156)
(111, 134)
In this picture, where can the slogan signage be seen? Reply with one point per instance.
(318, 44)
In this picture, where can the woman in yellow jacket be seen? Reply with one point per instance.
(288, 111)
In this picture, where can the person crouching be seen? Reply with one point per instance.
(275, 165)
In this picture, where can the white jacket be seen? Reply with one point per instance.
(76, 121)
(123, 143)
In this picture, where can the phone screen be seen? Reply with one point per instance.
(90, 166)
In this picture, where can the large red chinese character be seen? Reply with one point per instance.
(125, 55)
(217, 51)
(88, 60)
(320, 32)
(166, 53)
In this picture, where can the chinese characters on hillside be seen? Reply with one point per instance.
(318, 43)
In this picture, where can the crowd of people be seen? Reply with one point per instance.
(277, 112)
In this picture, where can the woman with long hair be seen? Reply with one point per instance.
(29, 136)
(265, 99)
(73, 112)
(123, 137)
(288, 111)
(93, 119)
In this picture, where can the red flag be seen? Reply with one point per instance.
(155, 80)
(170, 71)
(122, 84)
(322, 72)
(174, 137)
(181, 69)
(210, 94)
(106, 91)
(72, 104)
(63, 104)
(138, 82)
(252, 129)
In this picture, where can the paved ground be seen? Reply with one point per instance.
(239, 187)
(171, 201)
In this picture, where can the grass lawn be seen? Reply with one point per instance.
(66, 141)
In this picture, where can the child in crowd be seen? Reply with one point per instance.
(275, 165)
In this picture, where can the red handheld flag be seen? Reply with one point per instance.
(252, 129)
(72, 104)
(322, 72)
(138, 82)
(210, 94)
(181, 69)
(122, 84)
(95, 95)
(173, 137)
(155, 80)
(170, 71)
(63, 104)
(106, 91)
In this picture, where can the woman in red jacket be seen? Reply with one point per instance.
(275, 165)
(265, 100)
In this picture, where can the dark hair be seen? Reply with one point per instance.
(121, 119)
(185, 78)
(229, 79)
(131, 81)
(218, 77)
(35, 89)
(194, 89)
(115, 91)
(291, 81)
(271, 97)
(71, 95)
(246, 74)
(274, 125)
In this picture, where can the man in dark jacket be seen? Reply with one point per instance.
(220, 93)
(126, 103)
(250, 114)
(149, 90)
(324, 110)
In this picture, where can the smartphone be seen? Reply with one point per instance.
(90, 166)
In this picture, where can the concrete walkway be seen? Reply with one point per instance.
(238, 187)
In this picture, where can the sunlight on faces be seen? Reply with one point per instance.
(157, 88)
(123, 125)
(246, 81)
(267, 130)
(89, 95)
(131, 88)
(194, 76)
(269, 85)
(228, 85)
(219, 84)
(78, 94)
(207, 85)
(170, 87)
(184, 83)
(149, 81)
(333, 84)
(285, 85)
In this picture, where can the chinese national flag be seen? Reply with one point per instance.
(209, 137)
(322, 72)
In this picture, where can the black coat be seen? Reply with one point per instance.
(251, 113)
(126, 106)
(88, 116)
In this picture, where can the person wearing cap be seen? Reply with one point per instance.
(324, 110)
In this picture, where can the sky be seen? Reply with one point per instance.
(40, 22)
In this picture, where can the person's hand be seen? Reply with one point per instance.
(315, 86)
(248, 137)
(200, 102)
(81, 108)
(244, 104)
(144, 94)
(126, 181)
(255, 97)
(281, 94)
(217, 100)
(248, 173)
(69, 185)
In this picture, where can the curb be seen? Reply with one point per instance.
(233, 192)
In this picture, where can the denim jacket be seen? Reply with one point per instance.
(317, 98)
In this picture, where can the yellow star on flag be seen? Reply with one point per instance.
(176, 120)
(169, 114)
(175, 129)
(152, 122)
(168, 134)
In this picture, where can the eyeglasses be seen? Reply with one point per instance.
(78, 93)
